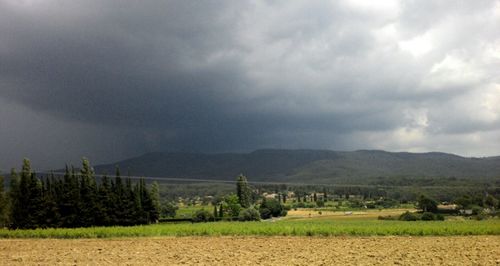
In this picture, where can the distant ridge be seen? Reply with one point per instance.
(309, 166)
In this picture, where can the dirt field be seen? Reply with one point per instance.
(477, 250)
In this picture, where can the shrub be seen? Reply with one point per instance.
(481, 217)
(249, 214)
(439, 217)
(202, 216)
(265, 213)
(388, 217)
(428, 216)
(476, 209)
(408, 216)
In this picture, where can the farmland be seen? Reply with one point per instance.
(345, 250)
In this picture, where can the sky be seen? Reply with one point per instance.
(110, 80)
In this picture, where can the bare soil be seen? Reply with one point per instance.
(471, 250)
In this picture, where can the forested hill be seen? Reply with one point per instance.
(312, 166)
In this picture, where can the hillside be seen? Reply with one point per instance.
(308, 166)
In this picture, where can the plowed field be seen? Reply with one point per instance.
(456, 250)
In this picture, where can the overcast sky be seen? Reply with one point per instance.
(115, 79)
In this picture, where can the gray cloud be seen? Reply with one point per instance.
(233, 76)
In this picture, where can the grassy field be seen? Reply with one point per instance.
(292, 226)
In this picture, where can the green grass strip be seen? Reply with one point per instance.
(279, 228)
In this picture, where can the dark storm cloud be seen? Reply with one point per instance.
(225, 76)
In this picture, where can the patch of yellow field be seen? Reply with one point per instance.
(366, 214)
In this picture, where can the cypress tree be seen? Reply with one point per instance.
(103, 202)
(3, 204)
(221, 211)
(155, 202)
(132, 209)
(118, 196)
(50, 214)
(147, 203)
(13, 196)
(69, 199)
(88, 194)
(243, 191)
(36, 203)
(21, 216)
(216, 213)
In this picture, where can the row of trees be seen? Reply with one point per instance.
(76, 200)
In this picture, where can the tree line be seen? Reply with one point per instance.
(76, 200)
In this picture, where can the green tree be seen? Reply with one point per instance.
(169, 209)
(155, 202)
(271, 207)
(221, 210)
(426, 204)
(243, 191)
(491, 202)
(69, 199)
(88, 195)
(3, 205)
(104, 202)
(249, 214)
(202, 216)
(21, 217)
(232, 204)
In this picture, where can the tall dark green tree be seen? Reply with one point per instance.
(14, 192)
(4, 204)
(20, 195)
(104, 202)
(88, 194)
(243, 191)
(69, 199)
(155, 201)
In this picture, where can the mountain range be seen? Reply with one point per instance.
(309, 166)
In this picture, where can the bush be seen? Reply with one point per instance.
(428, 216)
(249, 214)
(202, 216)
(476, 209)
(481, 217)
(265, 213)
(439, 217)
(388, 217)
(408, 216)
